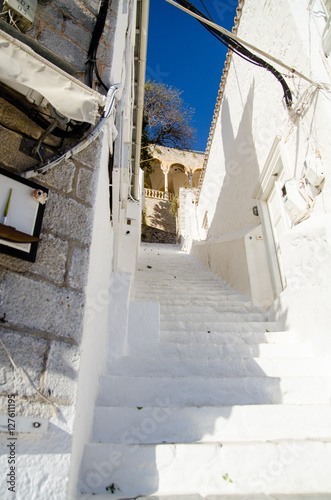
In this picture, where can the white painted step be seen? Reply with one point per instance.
(254, 496)
(196, 303)
(211, 288)
(239, 367)
(231, 351)
(230, 323)
(214, 317)
(204, 337)
(211, 424)
(201, 296)
(185, 469)
(186, 287)
(199, 391)
(174, 295)
(174, 278)
(202, 309)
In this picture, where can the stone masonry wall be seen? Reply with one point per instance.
(42, 303)
(158, 215)
(65, 28)
(161, 224)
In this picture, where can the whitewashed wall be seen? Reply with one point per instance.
(251, 116)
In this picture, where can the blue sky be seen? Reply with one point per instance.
(182, 53)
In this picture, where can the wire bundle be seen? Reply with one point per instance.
(91, 63)
(241, 51)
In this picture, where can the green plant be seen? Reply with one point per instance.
(143, 219)
(226, 478)
(112, 488)
(174, 205)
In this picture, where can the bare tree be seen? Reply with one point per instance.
(166, 117)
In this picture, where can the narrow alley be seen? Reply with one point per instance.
(207, 401)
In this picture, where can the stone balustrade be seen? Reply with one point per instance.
(161, 195)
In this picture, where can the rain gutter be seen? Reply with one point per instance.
(141, 43)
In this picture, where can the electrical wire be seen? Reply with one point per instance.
(91, 63)
(206, 10)
(241, 51)
(74, 129)
(42, 168)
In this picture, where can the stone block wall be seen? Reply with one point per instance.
(158, 214)
(160, 223)
(65, 29)
(43, 302)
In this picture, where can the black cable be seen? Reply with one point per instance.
(91, 63)
(248, 56)
(103, 85)
(210, 18)
(230, 47)
(241, 51)
(74, 129)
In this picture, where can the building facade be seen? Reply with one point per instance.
(263, 208)
(173, 169)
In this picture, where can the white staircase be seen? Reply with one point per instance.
(211, 400)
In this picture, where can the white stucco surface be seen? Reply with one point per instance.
(210, 397)
(256, 136)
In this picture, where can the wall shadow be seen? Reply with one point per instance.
(241, 172)
(186, 399)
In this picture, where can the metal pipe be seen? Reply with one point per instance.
(140, 90)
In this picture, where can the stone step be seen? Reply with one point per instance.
(200, 391)
(239, 367)
(207, 469)
(213, 317)
(240, 496)
(172, 298)
(228, 323)
(185, 286)
(177, 274)
(203, 337)
(232, 351)
(181, 267)
(191, 303)
(151, 425)
(202, 309)
(177, 284)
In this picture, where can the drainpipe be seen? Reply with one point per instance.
(140, 91)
